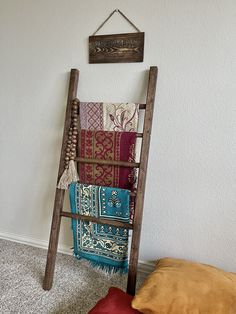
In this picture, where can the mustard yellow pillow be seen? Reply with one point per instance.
(182, 287)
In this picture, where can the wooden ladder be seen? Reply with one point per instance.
(138, 194)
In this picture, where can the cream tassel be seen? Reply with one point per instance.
(69, 175)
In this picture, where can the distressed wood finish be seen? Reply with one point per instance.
(98, 220)
(59, 196)
(138, 195)
(134, 253)
(126, 47)
(108, 162)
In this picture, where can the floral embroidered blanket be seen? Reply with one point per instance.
(119, 117)
(103, 245)
(110, 146)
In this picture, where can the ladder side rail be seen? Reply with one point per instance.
(134, 253)
(59, 195)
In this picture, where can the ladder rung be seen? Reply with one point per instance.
(137, 134)
(133, 194)
(108, 162)
(98, 220)
(141, 106)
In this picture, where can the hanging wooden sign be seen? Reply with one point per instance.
(127, 47)
(116, 48)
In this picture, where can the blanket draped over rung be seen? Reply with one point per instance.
(104, 246)
(107, 145)
(119, 117)
(113, 117)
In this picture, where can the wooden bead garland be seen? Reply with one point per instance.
(72, 135)
(70, 172)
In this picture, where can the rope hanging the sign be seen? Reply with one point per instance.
(122, 14)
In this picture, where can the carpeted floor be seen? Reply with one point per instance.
(77, 286)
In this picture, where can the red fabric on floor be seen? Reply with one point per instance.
(115, 302)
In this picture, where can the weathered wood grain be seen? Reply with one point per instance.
(138, 194)
(137, 223)
(59, 196)
(98, 220)
(108, 162)
(128, 47)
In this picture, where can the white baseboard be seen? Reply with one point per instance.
(144, 267)
(42, 244)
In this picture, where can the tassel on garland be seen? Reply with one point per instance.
(69, 175)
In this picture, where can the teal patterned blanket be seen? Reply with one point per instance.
(105, 246)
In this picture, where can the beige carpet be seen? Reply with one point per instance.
(77, 286)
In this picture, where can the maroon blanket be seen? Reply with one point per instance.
(111, 146)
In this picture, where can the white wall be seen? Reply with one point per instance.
(190, 207)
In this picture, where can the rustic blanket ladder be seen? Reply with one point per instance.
(139, 193)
